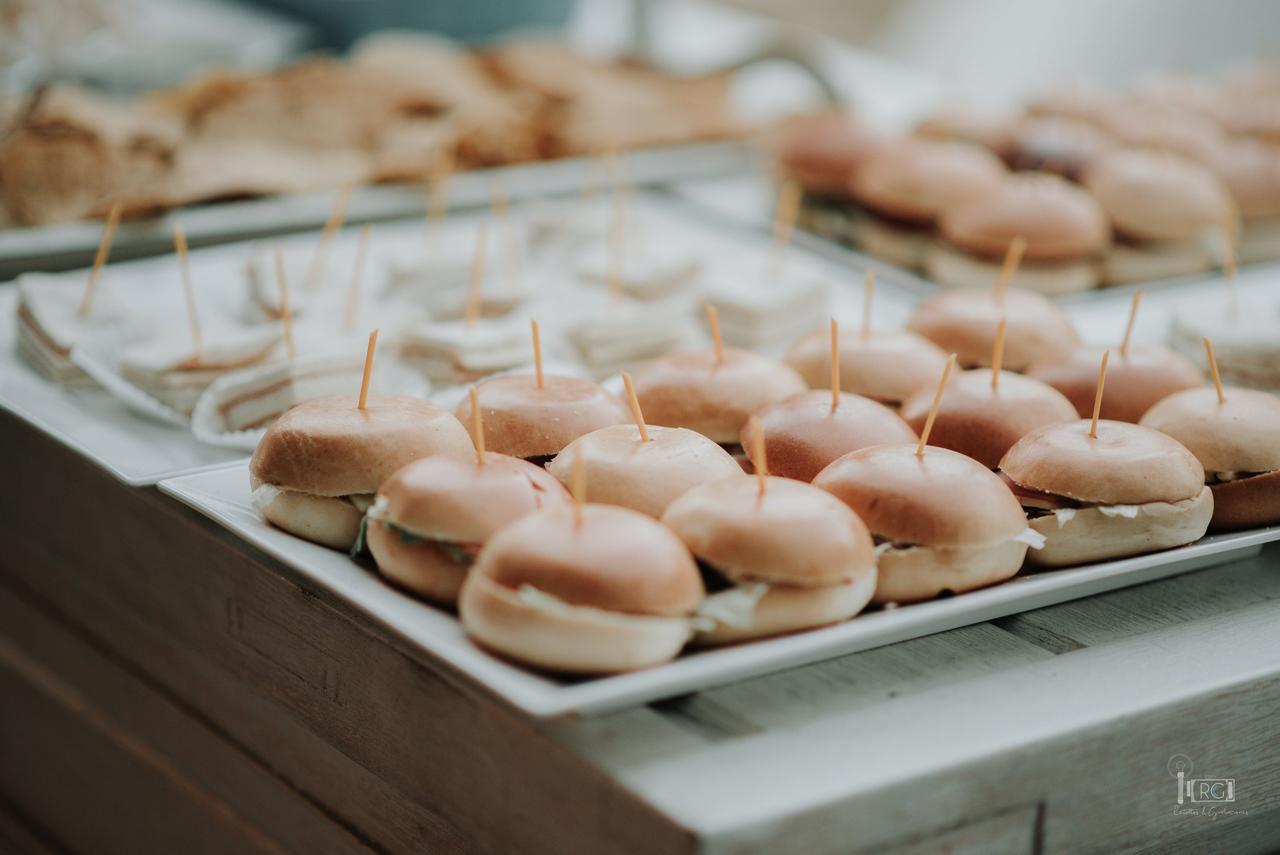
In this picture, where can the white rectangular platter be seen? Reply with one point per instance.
(223, 496)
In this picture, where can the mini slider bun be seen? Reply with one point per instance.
(1127, 491)
(965, 322)
(884, 366)
(321, 461)
(523, 420)
(431, 516)
(950, 523)
(611, 591)
(645, 476)
(984, 422)
(803, 434)
(822, 150)
(1237, 440)
(795, 556)
(1065, 230)
(691, 389)
(992, 130)
(1136, 378)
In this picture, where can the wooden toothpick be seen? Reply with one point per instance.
(357, 274)
(1097, 395)
(759, 458)
(286, 314)
(617, 244)
(506, 237)
(835, 365)
(437, 194)
(784, 224)
(99, 259)
(184, 265)
(537, 352)
(1128, 329)
(933, 409)
(477, 276)
(634, 403)
(368, 368)
(997, 354)
(1213, 369)
(713, 321)
(321, 255)
(578, 485)
(1012, 258)
(868, 288)
(477, 426)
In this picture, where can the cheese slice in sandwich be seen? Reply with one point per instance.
(168, 370)
(50, 323)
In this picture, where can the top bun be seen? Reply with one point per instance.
(1239, 435)
(1250, 168)
(621, 469)
(822, 150)
(689, 390)
(802, 435)
(915, 180)
(1159, 196)
(455, 499)
(617, 560)
(983, 423)
(1135, 381)
(795, 534)
(1059, 221)
(1058, 144)
(330, 447)
(937, 500)
(965, 322)
(992, 131)
(886, 366)
(1124, 465)
(524, 421)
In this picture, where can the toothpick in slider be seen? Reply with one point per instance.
(634, 403)
(1213, 369)
(437, 195)
(368, 369)
(357, 273)
(1128, 329)
(100, 258)
(937, 402)
(477, 277)
(784, 223)
(286, 314)
(537, 353)
(713, 321)
(321, 256)
(477, 426)
(1097, 395)
(835, 365)
(184, 264)
(1012, 258)
(759, 458)
(997, 354)
(868, 289)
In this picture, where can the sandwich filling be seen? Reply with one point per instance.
(1038, 504)
(462, 554)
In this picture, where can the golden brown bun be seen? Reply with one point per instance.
(418, 567)
(617, 560)
(1124, 465)
(1090, 534)
(329, 447)
(524, 421)
(1251, 170)
(1059, 145)
(1135, 381)
(886, 366)
(689, 390)
(802, 435)
(795, 534)
(1247, 503)
(571, 639)
(454, 499)
(787, 608)
(922, 572)
(984, 424)
(915, 179)
(1153, 195)
(1058, 220)
(822, 150)
(330, 522)
(1240, 435)
(993, 131)
(620, 469)
(940, 499)
(965, 322)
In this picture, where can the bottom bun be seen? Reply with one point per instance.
(325, 520)
(903, 246)
(787, 608)
(418, 567)
(1259, 240)
(954, 269)
(1154, 260)
(563, 637)
(1246, 503)
(923, 572)
(1091, 535)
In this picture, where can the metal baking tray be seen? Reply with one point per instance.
(223, 495)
